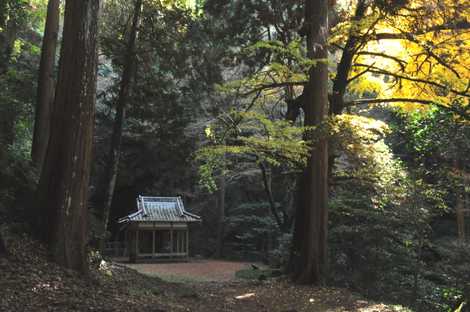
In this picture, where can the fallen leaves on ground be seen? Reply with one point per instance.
(29, 282)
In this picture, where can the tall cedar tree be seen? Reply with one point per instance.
(63, 187)
(45, 93)
(309, 256)
(112, 167)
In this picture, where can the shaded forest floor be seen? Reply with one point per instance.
(28, 282)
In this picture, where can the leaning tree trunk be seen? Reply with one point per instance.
(309, 256)
(112, 167)
(340, 82)
(45, 93)
(267, 184)
(63, 187)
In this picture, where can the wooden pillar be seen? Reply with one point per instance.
(126, 243)
(182, 245)
(171, 238)
(177, 238)
(179, 241)
(136, 243)
(187, 242)
(132, 240)
(182, 241)
(153, 243)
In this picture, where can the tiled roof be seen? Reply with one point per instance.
(160, 209)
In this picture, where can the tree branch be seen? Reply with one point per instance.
(381, 71)
(274, 86)
(269, 193)
(400, 62)
(393, 100)
(458, 25)
(360, 74)
(459, 112)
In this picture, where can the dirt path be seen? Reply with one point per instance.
(268, 296)
(195, 270)
(211, 285)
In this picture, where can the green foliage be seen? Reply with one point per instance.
(281, 254)
(251, 228)
(254, 220)
(257, 274)
(171, 85)
(436, 135)
(289, 61)
(446, 298)
(230, 69)
(17, 183)
(20, 23)
(379, 205)
(250, 137)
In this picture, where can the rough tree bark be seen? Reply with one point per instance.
(112, 167)
(309, 254)
(45, 92)
(63, 186)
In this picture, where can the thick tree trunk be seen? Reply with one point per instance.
(309, 263)
(45, 93)
(220, 217)
(112, 168)
(63, 187)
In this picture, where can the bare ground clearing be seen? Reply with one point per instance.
(195, 270)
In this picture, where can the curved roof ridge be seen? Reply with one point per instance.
(170, 198)
(192, 215)
(160, 209)
(180, 206)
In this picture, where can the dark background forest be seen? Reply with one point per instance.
(208, 100)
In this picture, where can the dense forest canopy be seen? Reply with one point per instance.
(330, 139)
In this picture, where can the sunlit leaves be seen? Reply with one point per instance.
(252, 139)
(424, 53)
